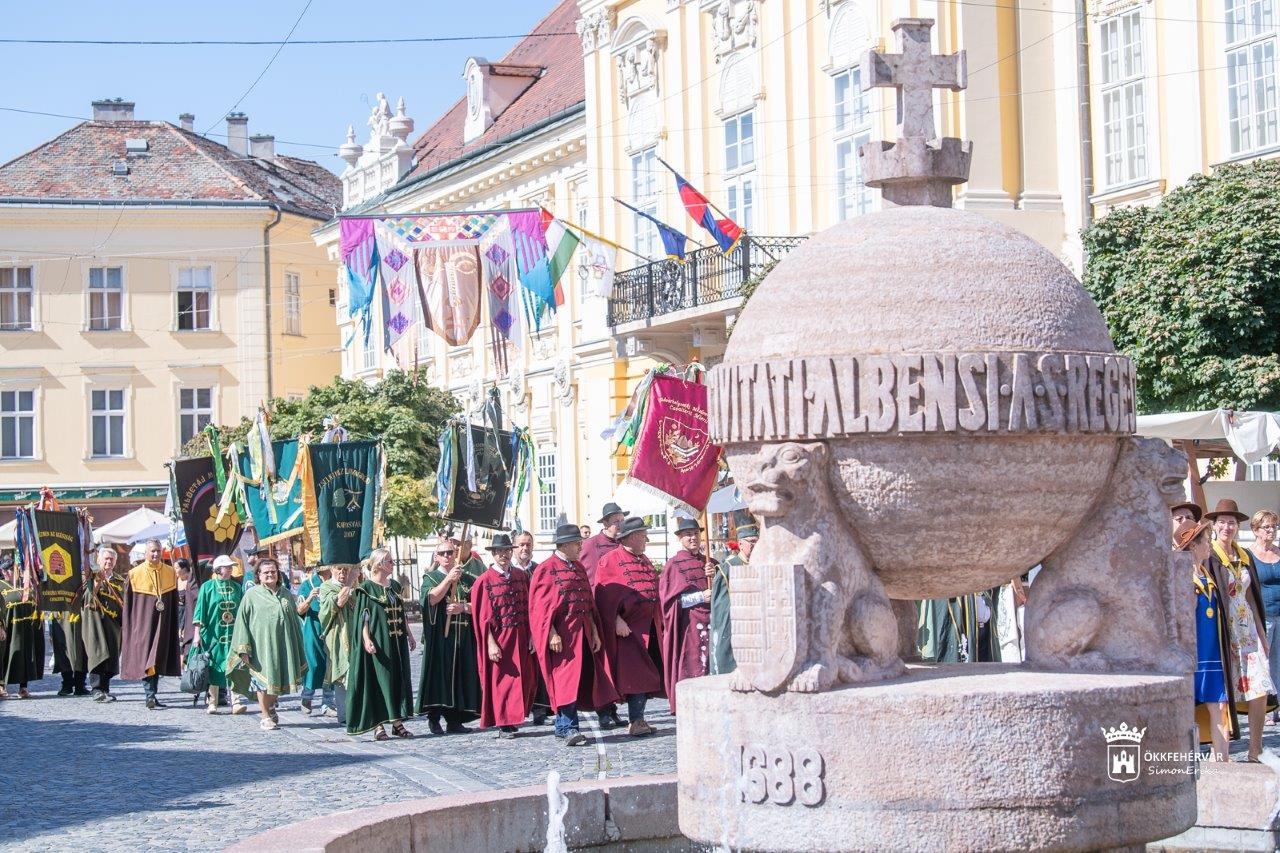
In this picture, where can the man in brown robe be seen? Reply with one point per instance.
(686, 610)
(150, 624)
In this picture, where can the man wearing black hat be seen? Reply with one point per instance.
(500, 618)
(626, 591)
(603, 542)
(686, 609)
(566, 635)
(721, 627)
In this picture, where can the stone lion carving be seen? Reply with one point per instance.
(1114, 596)
(845, 626)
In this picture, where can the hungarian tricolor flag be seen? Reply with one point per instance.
(561, 243)
(725, 231)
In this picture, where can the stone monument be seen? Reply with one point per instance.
(943, 410)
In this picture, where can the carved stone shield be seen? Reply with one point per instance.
(768, 643)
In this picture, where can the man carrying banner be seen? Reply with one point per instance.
(313, 644)
(522, 559)
(686, 609)
(214, 618)
(100, 624)
(69, 657)
(450, 682)
(566, 635)
(721, 627)
(626, 593)
(500, 616)
(150, 624)
(24, 634)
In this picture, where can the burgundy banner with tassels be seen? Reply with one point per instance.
(674, 457)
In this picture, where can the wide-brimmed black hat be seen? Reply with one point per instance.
(745, 530)
(683, 525)
(501, 542)
(611, 508)
(1189, 506)
(634, 524)
(567, 533)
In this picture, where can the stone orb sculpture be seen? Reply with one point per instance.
(964, 381)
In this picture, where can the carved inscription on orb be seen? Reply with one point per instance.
(781, 776)
(976, 393)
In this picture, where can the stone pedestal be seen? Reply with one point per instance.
(951, 757)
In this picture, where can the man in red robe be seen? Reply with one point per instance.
(631, 621)
(522, 559)
(685, 588)
(566, 635)
(603, 542)
(500, 618)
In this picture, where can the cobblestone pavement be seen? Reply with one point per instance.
(83, 775)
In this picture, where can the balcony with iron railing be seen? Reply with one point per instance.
(707, 277)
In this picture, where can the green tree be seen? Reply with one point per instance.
(406, 414)
(1190, 289)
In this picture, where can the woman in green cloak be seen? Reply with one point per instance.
(379, 687)
(267, 643)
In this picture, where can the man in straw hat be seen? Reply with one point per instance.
(686, 609)
(566, 635)
(500, 618)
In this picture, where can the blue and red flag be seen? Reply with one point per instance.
(724, 231)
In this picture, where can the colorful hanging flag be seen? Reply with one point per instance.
(360, 260)
(596, 262)
(725, 231)
(561, 243)
(530, 241)
(449, 287)
(674, 457)
(673, 240)
(399, 277)
(502, 280)
(345, 483)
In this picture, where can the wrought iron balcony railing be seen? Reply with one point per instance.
(707, 276)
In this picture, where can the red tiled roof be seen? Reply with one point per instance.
(559, 87)
(178, 166)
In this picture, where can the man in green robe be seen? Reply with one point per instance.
(313, 644)
(721, 625)
(450, 682)
(214, 620)
(25, 631)
(958, 630)
(379, 686)
(266, 644)
(100, 624)
(336, 607)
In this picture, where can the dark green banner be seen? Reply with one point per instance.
(60, 551)
(346, 482)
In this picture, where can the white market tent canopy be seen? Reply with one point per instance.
(1251, 436)
(9, 534)
(123, 530)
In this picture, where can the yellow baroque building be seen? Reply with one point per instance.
(151, 281)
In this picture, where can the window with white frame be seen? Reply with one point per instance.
(195, 412)
(292, 304)
(740, 168)
(548, 497)
(644, 196)
(1251, 75)
(580, 214)
(195, 298)
(106, 298)
(17, 424)
(17, 295)
(106, 415)
(368, 351)
(1268, 470)
(852, 129)
(1124, 105)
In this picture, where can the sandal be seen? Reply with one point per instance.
(381, 734)
(400, 731)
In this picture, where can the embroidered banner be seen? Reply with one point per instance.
(275, 503)
(197, 492)
(486, 504)
(449, 287)
(502, 279)
(674, 456)
(61, 552)
(399, 277)
(345, 477)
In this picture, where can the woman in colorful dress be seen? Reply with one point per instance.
(379, 688)
(1247, 655)
(1212, 691)
(1265, 551)
(214, 619)
(266, 644)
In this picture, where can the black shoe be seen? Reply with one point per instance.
(610, 721)
(506, 732)
(152, 704)
(435, 726)
(64, 690)
(540, 718)
(81, 690)
(457, 729)
(575, 739)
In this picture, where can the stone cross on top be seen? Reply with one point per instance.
(917, 168)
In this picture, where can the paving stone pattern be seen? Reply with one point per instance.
(117, 777)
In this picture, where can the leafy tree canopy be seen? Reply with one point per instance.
(1190, 289)
(406, 414)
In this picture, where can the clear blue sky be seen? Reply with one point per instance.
(309, 95)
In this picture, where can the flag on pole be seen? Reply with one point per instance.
(360, 261)
(596, 262)
(673, 241)
(725, 231)
(561, 243)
